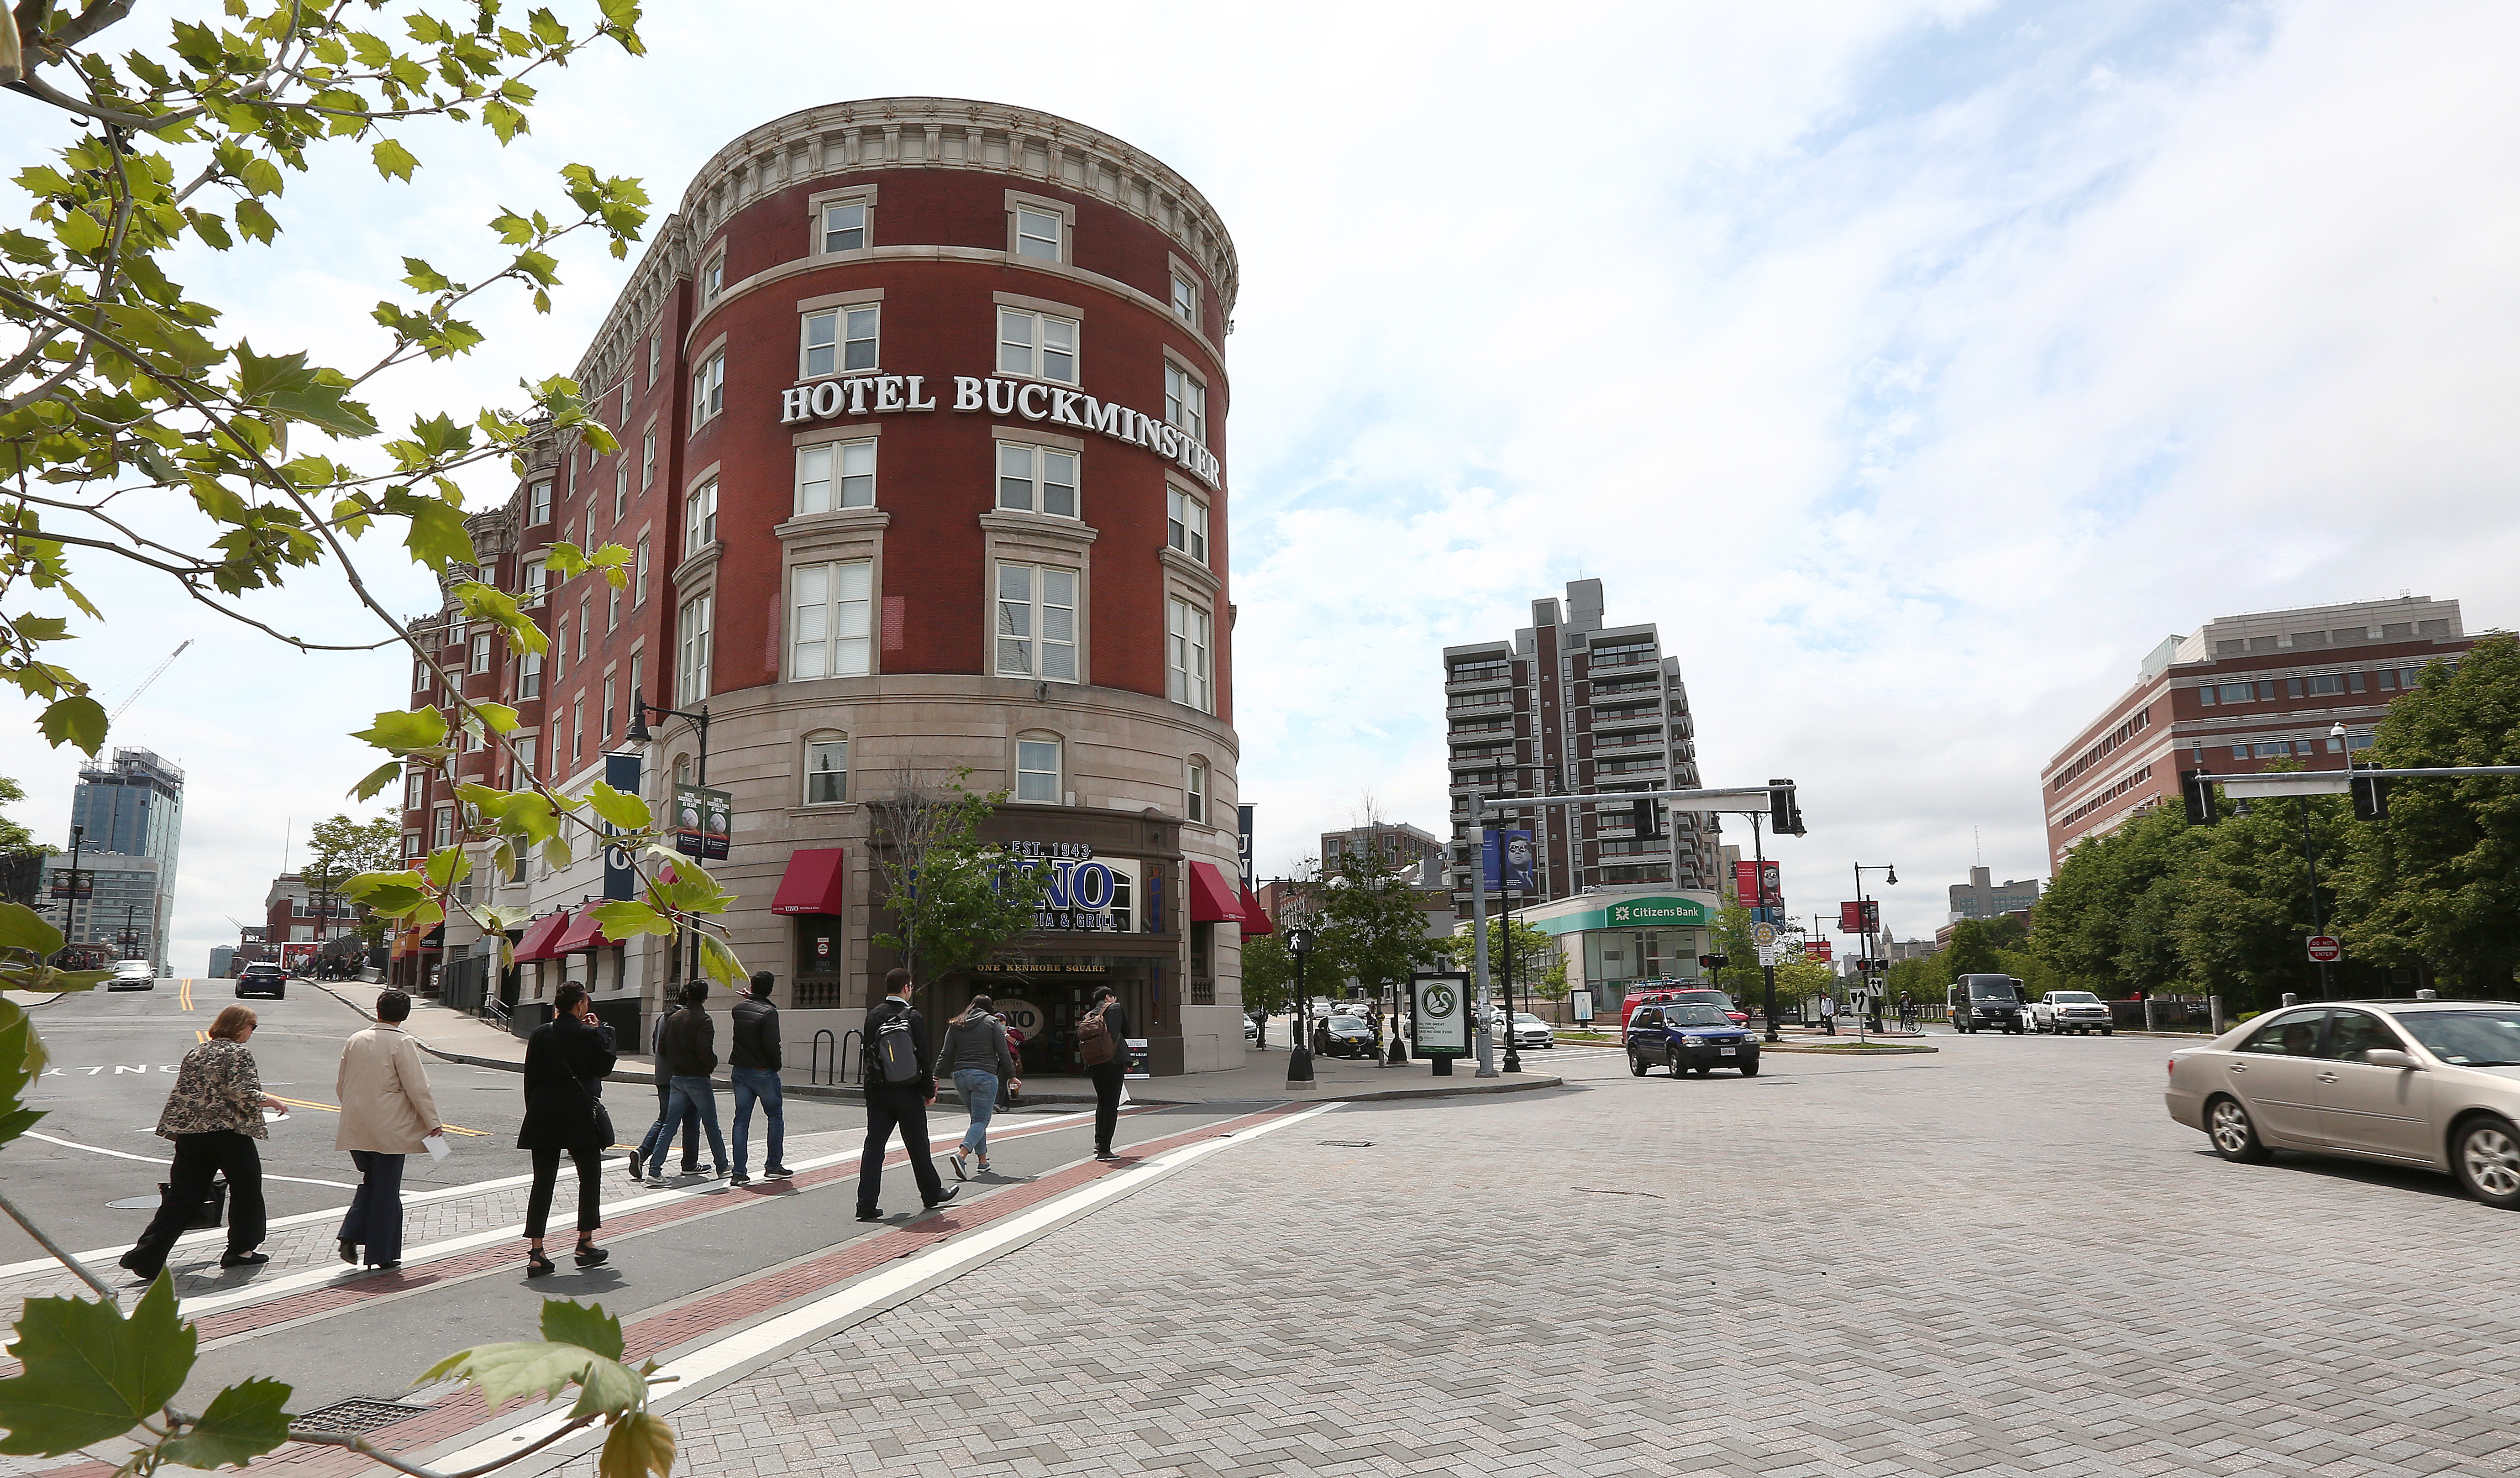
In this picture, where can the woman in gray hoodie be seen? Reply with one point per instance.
(975, 1052)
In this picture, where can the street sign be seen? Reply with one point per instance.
(1764, 935)
(1582, 1003)
(1767, 954)
(2324, 949)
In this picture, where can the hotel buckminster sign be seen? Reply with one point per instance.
(1030, 399)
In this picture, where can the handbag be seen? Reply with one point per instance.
(601, 1115)
(214, 1209)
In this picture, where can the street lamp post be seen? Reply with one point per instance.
(639, 733)
(1864, 914)
(1299, 1055)
(70, 908)
(2310, 858)
(1513, 1055)
(1759, 910)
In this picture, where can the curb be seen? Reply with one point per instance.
(1527, 1083)
(1893, 1050)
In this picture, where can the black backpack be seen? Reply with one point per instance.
(892, 1050)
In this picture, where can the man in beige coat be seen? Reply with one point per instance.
(387, 1112)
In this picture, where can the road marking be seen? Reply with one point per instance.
(151, 1159)
(337, 1108)
(692, 1374)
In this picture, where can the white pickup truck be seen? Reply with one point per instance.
(2077, 1011)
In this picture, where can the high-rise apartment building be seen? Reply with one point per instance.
(1572, 705)
(2240, 691)
(134, 806)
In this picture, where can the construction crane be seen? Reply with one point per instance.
(155, 673)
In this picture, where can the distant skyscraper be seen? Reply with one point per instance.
(1571, 705)
(134, 806)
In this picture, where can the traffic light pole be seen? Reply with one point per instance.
(1767, 956)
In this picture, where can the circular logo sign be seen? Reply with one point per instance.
(1441, 1000)
(1018, 1015)
(2324, 949)
(1763, 933)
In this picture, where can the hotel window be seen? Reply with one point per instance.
(420, 675)
(638, 693)
(692, 681)
(2205, 694)
(442, 831)
(1185, 524)
(1185, 402)
(1037, 775)
(708, 389)
(835, 474)
(415, 790)
(655, 353)
(529, 675)
(699, 519)
(585, 623)
(1036, 480)
(2325, 683)
(2269, 749)
(1185, 677)
(844, 227)
(577, 731)
(1037, 234)
(1186, 299)
(481, 651)
(639, 579)
(521, 776)
(1037, 344)
(714, 278)
(1195, 800)
(826, 771)
(842, 339)
(620, 497)
(646, 460)
(1036, 622)
(608, 708)
(612, 610)
(538, 501)
(559, 650)
(2239, 693)
(831, 629)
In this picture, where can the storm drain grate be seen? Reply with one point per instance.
(1350, 1143)
(359, 1414)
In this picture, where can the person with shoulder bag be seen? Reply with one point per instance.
(567, 1059)
(976, 1054)
(900, 1084)
(215, 1114)
(1103, 1042)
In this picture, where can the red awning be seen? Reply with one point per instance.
(1255, 918)
(539, 936)
(812, 882)
(1212, 899)
(583, 933)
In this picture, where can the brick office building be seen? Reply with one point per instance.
(1574, 705)
(2237, 693)
(921, 403)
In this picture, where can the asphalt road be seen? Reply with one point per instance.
(114, 1059)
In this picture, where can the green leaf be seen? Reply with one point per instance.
(638, 1444)
(609, 1387)
(91, 1374)
(719, 961)
(625, 918)
(567, 1321)
(516, 1367)
(449, 866)
(628, 811)
(76, 720)
(80, 231)
(244, 1422)
(255, 222)
(437, 535)
(21, 1057)
(393, 161)
(22, 929)
(403, 730)
(557, 854)
(385, 892)
(376, 779)
(500, 718)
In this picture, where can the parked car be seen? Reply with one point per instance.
(1343, 1037)
(1978, 1002)
(1696, 995)
(2423, 1083)
(2076, 1011)
(1528, 1030)
(1688, 1037)
(1250, 1028)
(133, 975)
(262, 978)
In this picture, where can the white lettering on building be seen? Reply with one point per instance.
(1029, 399)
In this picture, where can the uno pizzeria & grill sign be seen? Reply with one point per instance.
(1028, 399)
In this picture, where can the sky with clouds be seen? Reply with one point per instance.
(1918, 366)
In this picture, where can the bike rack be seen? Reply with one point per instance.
(814, 1056)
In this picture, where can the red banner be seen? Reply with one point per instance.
(1859, 918)
(1820, 950)
(1745, 885)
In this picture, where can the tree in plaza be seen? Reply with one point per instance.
(1526, 943)
(2245, 907)
(2439, 880)
(1373, 928)
(1921, 979)
(21, 857)
(1268, 978)
(338, 849)
(1970, 952)
(954, 899)
(143, 437)
(2108, 920)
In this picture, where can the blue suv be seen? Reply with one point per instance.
(1684, 1036)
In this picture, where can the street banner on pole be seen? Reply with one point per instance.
(704, 821)
(620, 878)
(1508, 859)
(1751, 889)
(1243, 820)
(1864, 917)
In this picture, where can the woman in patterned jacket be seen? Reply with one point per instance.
(214, 1115)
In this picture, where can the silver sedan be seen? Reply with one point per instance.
(2428, 1083)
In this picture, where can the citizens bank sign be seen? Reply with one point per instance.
(1030, 399)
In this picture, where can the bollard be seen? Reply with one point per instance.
(2214, 1005)
(2152, 1015)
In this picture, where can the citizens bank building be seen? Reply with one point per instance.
(921, 404)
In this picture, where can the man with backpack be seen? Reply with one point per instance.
(1103, 1042)
(900, 1084)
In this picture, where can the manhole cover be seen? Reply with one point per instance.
(359, 1413)
(134, 1203)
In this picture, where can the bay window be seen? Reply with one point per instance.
(1185, 524)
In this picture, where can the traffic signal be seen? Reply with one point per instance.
(1713, 962)
(1785, 813)
(1645, 817)
(2197, 787)
(2371, 797)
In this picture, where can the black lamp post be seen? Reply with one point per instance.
(1299, 1056)
(69, 905)
(1865, 913)
(1513, 1056)
(639, 733)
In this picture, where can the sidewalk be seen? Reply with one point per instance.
(1261, 1079)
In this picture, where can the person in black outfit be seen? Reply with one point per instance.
(567, 1059)
(902, 1104)
(1107, 1076)
(651, 1152)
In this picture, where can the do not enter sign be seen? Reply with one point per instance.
(2324, 949)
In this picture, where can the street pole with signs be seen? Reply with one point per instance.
(1299, 1057)
(1479, 935)
(1763, 933)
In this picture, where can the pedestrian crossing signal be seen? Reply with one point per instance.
(2197, 787)
(2371, 797)
(1785, 812)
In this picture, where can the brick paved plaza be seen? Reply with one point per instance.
(2001, 1259)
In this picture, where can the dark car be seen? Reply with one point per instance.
(1343, 1037)
(1684, 1036)
(262, 979)
(1996, 1002)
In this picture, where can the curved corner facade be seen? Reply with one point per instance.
(921, 408)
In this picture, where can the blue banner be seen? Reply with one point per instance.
(1509, 861)
(620, 878)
